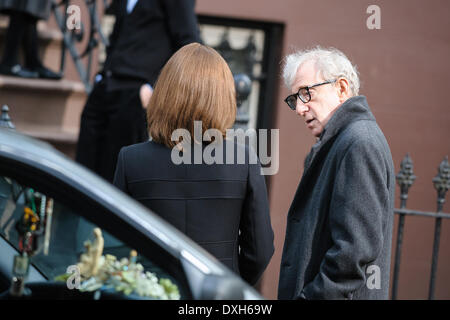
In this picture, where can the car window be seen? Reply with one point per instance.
(60, 234)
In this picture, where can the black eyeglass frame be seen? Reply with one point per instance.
(298, 96)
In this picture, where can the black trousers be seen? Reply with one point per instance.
(21, 31)
(110, 121)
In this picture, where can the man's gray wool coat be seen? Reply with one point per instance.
(339, 225)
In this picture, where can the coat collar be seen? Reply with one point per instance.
(353, 109)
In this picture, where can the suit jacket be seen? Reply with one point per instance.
(143, 40)
(222, 207)
(339, 228)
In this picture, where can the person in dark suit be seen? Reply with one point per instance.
(223, 205)
(23, 18)
(146, 33)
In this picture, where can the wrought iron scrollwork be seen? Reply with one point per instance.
(241, 62)
(405, 179)
(74, 36)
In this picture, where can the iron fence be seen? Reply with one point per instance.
(61, 12)
(405, 179)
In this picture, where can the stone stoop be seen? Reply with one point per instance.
(45, 109)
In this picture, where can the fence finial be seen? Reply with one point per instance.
(442, 182)
(405, 178)
(5, 120)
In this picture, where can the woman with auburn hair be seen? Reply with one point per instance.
(221, 206)
(195, 85)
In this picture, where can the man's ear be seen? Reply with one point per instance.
(343, 89)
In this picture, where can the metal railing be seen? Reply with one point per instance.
(72, 37)
(5, 120)
(405, 179)
(62, 13)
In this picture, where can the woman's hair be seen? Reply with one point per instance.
(196, 84)
(330, 62)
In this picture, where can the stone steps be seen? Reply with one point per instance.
(38, 104)
(45, 109)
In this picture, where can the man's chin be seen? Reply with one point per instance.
(316, 132)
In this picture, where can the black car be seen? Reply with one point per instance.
(82, 201)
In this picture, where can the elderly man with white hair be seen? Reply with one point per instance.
(339, 225)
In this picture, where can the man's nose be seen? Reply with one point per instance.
(301, 108)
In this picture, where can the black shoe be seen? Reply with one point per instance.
(18, 71)
(45, 73)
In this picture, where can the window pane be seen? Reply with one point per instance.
(66, 235)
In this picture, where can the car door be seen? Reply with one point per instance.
(83, 201)
(68, 231)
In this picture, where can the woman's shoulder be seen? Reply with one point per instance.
(143, 148)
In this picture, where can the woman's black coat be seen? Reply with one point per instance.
(222, 207)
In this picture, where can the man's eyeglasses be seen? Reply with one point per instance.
(304, 94)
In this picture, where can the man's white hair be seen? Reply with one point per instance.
(330, 63)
